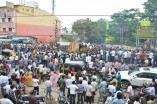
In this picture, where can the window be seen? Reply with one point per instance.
(4, 29)
(9, 20)
(23, 9)
(142, 75)
(10, 29)
(27, 9)
(3, 19)
(152, 75)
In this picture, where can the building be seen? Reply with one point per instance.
(27, 21)
(68, 32)
(33, 4)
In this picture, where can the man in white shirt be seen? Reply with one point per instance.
(129, 57)
(44, 73)
(85, 84)
(11, 58)
(89, 89)
(48, 85)
(73, 89)
(113, 53)
(88, 59)
(150, 57)
(94, 85)
(120, 53)
(125, 56)
(36, 84)
(56, 64)
(41, 70)
(5, 100)
(68, 82)
(45, 60)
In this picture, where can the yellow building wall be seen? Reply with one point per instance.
(35, 16)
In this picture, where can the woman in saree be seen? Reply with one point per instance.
(23, 81)
(53, 78)
(38, 75)
(29, 79)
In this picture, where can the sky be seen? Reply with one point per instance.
(83, 8)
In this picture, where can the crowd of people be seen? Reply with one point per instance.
(43, 63)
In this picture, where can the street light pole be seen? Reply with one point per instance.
(56, 29)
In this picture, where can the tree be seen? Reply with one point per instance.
(101, 29)
(151, 14)
(85, 28)
(150, 10)
(123, 26)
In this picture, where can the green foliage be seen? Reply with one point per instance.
(150, 10)
(90, 31)
(123, 24)
(68, 38)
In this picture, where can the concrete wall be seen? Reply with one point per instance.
(39, 24)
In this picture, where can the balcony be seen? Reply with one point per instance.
(7, 25)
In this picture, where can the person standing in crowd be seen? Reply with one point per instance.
(111, 88)
(118, 77)
(72, 89)
(151, 90)
(3, 82)
(62, 84)
(150, 57)
(36, 85)
(113, 53)
(130, 90)
(53, 78)
(5, 100)
(102, 87)
(142, 57)
(68, 83)
(94, 85)
(32, 99)
(56, 63)
(44, 73)
(41, 71)
(48, 86)
(78, 74)
(85, 84)
(155, 85)
(12, 95)
(89, 90)
(119, 99)
(109, 98)
(29, 79)
(23, 81)
(80, 92)
(155, 60)
(125, 56)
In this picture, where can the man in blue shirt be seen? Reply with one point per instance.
(102, 87)
(119, 99)
(80, 92)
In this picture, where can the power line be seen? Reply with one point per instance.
(92, 15)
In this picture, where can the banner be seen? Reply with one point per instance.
(10, 5)
(74, 47)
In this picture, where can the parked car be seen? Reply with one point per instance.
(138, 77)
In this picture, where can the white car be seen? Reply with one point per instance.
(138, 77)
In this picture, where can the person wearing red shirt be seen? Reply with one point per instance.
(142, 57)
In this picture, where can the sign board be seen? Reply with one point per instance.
(10, 5)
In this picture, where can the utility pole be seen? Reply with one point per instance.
(56, 29)
(137, 37)
(53, 7)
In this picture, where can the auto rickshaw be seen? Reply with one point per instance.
(7, 53)
(72, 66)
